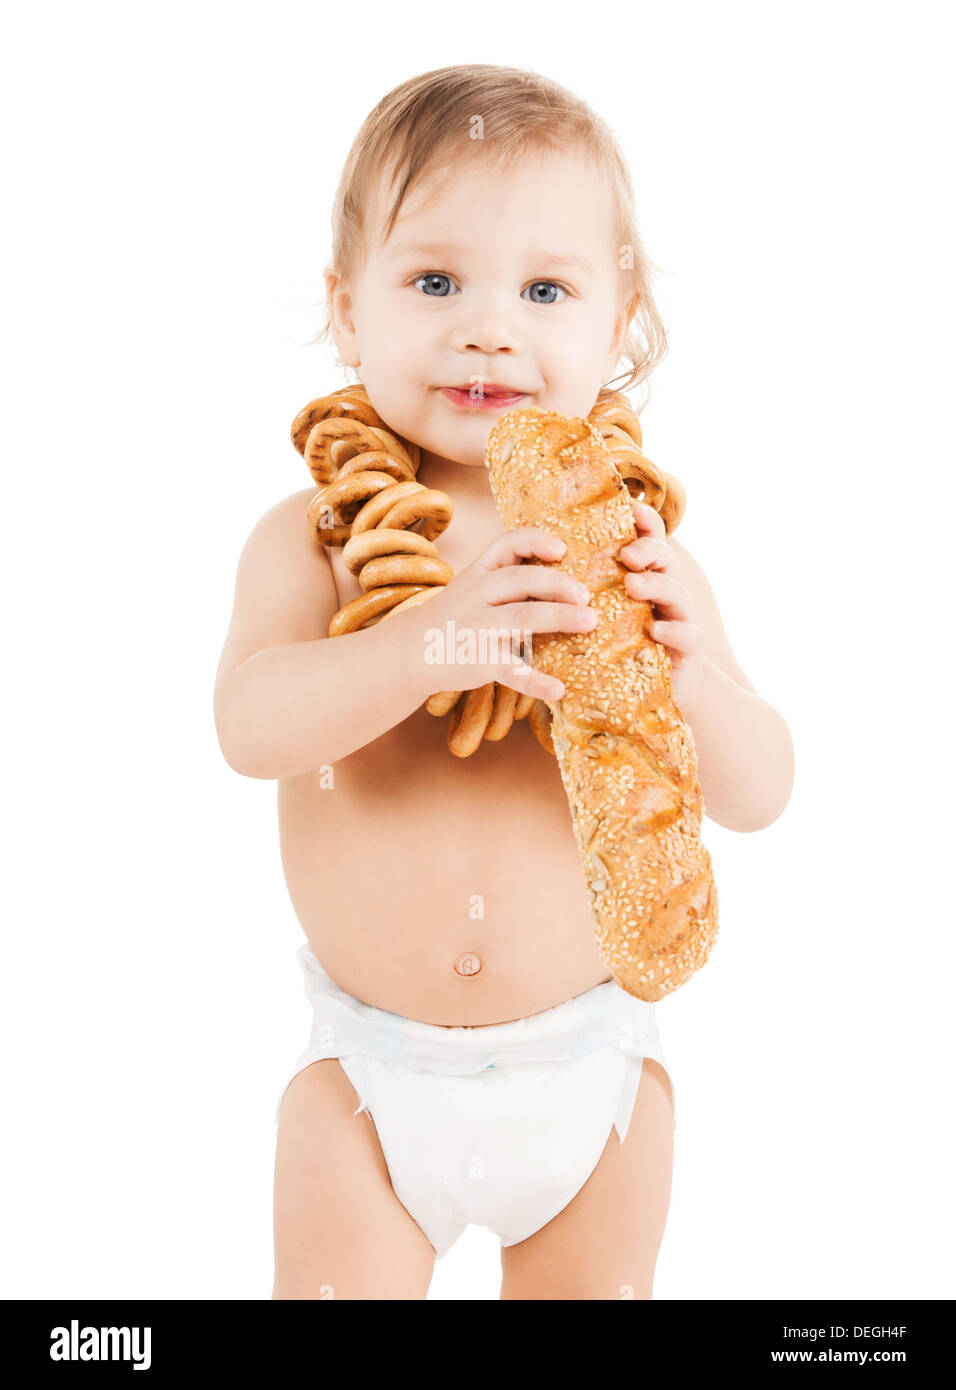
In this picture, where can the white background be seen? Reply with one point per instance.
(170, 171)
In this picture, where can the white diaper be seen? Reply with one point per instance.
(499, 1125)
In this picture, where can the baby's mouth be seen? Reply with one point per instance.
(483, 398)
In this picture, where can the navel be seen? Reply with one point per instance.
(468, 964)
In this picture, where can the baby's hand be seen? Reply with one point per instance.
(656, 579)
(500, 597)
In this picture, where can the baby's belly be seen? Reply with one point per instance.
(444, 889)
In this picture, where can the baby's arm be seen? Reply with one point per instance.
(288, 700)
(745, 755)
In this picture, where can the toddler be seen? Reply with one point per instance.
(471, 1058)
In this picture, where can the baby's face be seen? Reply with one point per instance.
(473, 289)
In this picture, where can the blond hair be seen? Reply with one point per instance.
(429, 122)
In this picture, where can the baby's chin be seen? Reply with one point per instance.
(452, 452)
(464, 439)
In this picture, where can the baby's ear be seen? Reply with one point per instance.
(331, 278)
(339, 304)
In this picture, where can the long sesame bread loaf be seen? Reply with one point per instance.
(626, 755)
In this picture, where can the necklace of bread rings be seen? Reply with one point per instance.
(370, 503)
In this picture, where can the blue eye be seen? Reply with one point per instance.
(435, 280)
(431, 276)
(546, 284)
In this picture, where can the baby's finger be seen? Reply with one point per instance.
(663, 590)
(522, 543)
(685, 638)
(527, 681)
(648, 521)
(516, 582)
(648, 552)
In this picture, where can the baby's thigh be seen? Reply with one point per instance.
(604, 1243)
(340, 1231)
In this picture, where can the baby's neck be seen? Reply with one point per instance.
(469, 482)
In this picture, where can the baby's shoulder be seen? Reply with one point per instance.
(285, 590)
(283, 523)
(296, 504)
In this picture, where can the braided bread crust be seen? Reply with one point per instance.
(625, 752)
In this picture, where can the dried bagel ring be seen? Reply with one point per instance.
(429, 506)
(415, 599)
(332, 442)
(620, 445)
(618, 440)
(378, 462)
(405, 569)
(646, 476)
(346, 403)
(368, 606)
(347, 497)
(355, 489)
(620, 428)
(614, 415)
(442, 701)
(539, 717)
(403, 449)
(322, 523)
(374, 511)
(523, 705)
(646, 482)
(674, 504)
(367, 545)
(469, 720)
(503, 714)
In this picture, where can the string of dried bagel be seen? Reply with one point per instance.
(370, 503)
